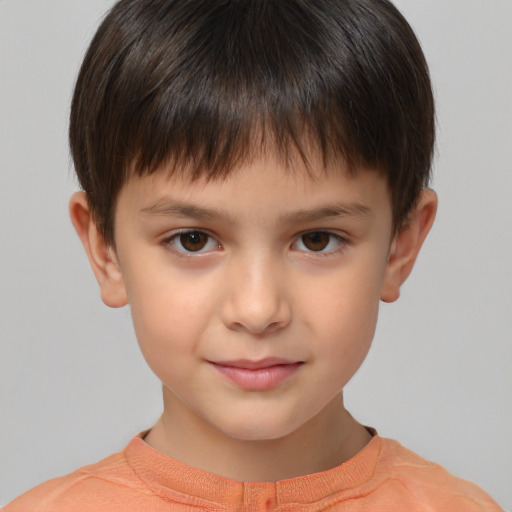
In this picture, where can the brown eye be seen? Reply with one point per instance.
(316, 240)
(193, 241)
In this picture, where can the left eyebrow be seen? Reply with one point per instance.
(354, 210)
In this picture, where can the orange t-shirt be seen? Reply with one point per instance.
(384, 476)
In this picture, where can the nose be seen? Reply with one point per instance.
(256, 301)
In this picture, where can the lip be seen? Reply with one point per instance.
(261, 375)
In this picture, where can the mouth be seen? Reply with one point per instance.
(261, 375)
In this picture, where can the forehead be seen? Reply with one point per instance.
(260, 189)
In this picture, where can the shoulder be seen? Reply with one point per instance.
(422, 482)
(101, 486)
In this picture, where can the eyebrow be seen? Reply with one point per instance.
(166, 208)
(354, 210)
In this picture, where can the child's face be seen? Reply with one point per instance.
(254, 299)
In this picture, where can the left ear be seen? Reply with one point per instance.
(407, 244)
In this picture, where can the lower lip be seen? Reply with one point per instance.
(259, 379)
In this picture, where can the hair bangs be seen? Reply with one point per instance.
(247, 92)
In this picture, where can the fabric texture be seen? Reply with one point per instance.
(384, 476)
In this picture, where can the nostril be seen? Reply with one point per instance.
(254, 329)
(274, 326)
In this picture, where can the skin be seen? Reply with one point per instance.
(256, 285)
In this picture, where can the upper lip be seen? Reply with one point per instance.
(249, 364)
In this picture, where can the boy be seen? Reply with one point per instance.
(254, 182)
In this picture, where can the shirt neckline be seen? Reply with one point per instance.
(175, 480)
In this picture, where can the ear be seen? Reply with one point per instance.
(102, 257)
(407, 244)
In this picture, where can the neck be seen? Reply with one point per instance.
(327, 440)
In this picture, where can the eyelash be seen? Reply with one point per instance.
(169, 242)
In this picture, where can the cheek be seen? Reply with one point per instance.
(169, 317)
(347, 299)
(343, 316)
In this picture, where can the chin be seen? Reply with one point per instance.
(257, 431)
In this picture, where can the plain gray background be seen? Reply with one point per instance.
(73, 387)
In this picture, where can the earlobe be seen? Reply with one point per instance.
(407, 244)
(102, 256)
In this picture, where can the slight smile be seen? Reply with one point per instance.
(260, 375)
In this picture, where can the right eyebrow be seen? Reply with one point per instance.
(166, 208)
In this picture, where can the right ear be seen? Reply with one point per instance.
(102, 256)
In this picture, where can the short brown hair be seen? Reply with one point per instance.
(207, 83)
